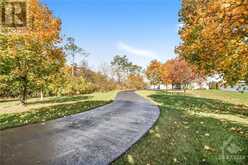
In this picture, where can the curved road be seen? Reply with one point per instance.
(97, 137)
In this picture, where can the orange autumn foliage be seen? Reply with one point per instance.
(31, 58)
(153, 72)
(215, 37)
(177, 71)
(135, 81)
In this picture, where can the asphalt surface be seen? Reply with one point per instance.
(96, 137)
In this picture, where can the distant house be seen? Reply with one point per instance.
(196, 84)
(159, 87)
(240, 87)
(199, 84)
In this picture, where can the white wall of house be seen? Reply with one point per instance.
(162, 87)
(203, 85)
(237, 88)
(193, 85)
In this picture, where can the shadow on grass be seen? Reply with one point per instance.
(47, 113)
(179, 138)
(60, 100)
(8, 100)
(183, 102)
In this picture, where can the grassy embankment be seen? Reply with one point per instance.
(13, 114)
(199, 127)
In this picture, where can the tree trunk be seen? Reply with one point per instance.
(119, 78)
(72, 70)
(73, 65)
(184, 88)
(23, 98)
(41, 94)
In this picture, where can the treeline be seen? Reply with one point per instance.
(214, 37)
(38, 62)
(127, 74)
(175, 72)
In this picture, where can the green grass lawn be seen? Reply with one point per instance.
(13, 114)
(194, 128)
(229, 97)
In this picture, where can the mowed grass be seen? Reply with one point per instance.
(182, 135)
(13, 114)
(225, 96)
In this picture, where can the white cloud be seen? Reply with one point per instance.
(135, 51)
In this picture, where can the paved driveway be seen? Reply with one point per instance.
(94, 137)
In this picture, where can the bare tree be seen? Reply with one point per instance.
(72, 50)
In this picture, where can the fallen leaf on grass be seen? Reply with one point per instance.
(185, 122)
(130, 159)
(207, 134)
(207, 148)
(237, 130)
(157, 135)
(151, 131)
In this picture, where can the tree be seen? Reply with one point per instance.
(135, 81)
(67, 84)
(215, 37)
(134, 69)
(25, 57)
(72, 50)
(106, 70)
(102, 83)
(182, 73)
(177, 72)
(153, 72)
(49, 70)
(166, 72)
(120, 66)
(96, 81)
(123, 68)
